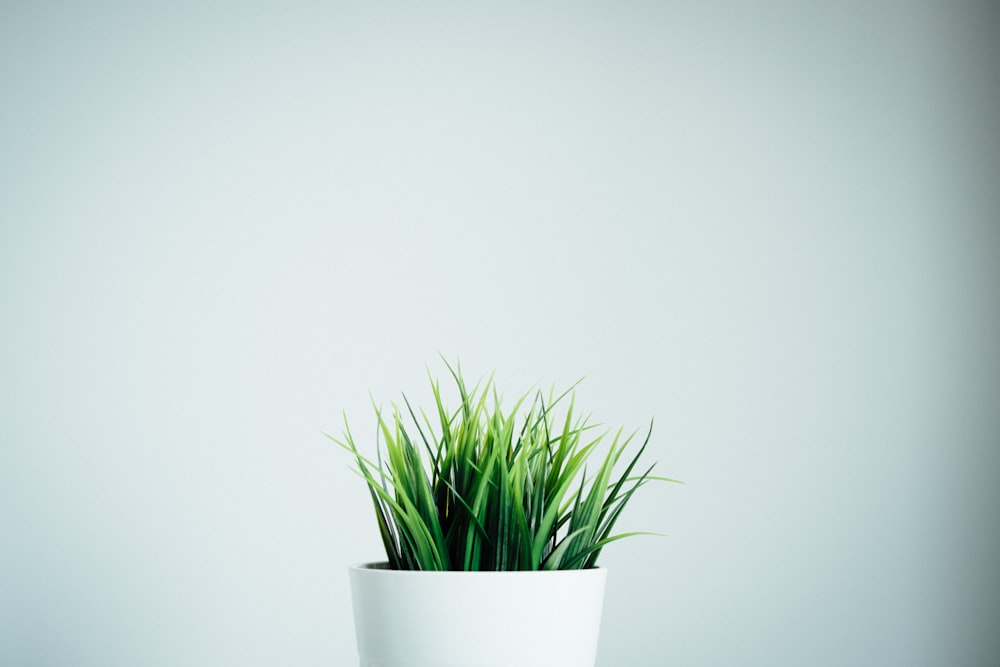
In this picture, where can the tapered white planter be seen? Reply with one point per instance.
(476, 619)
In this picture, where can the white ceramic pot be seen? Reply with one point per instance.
(476, 619)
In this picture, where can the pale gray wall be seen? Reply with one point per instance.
(774, 228)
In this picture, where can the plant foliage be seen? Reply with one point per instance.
(478, 488)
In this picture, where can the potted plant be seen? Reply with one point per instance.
(493, 521)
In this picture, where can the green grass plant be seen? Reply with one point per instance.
(480, 488)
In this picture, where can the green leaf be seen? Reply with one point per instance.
(475, 497)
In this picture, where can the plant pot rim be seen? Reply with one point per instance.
(383, 567)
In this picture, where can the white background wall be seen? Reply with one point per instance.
(775, 229)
